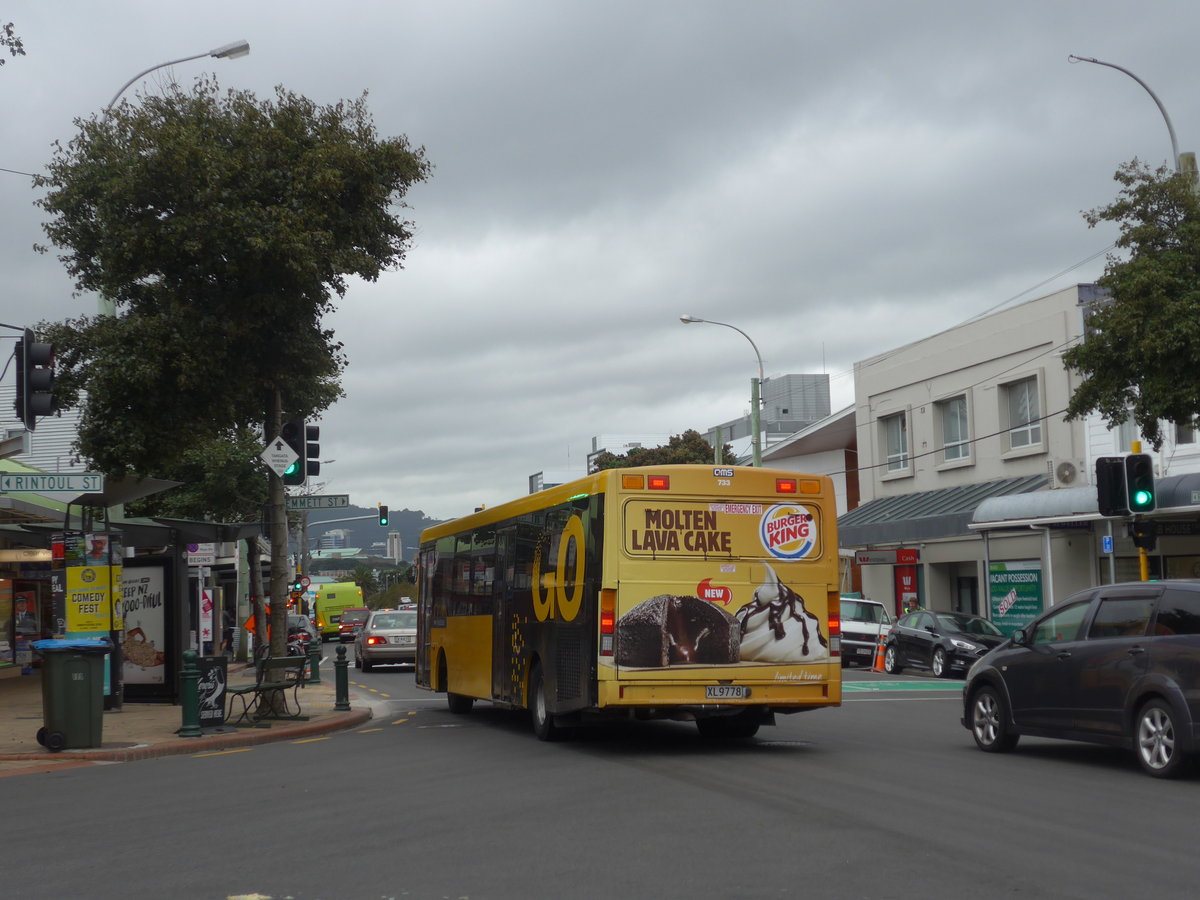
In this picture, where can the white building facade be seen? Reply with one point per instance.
(977, 495)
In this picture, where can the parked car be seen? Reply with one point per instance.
(943, 642)
(1116, 665)
(351, 622)
(301, 627)
(864, 622)
(389, 636)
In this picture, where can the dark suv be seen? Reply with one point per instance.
(1118, 665)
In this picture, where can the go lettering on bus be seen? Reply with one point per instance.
(550, 588)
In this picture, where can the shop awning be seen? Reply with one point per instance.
(926, 515)
(1176, 494)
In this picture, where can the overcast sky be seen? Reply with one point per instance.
(836, 179)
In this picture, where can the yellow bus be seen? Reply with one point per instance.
(701, 593)
(330, 600)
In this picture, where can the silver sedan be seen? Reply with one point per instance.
(390, 636)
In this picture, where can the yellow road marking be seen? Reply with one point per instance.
(370, 730)
(400, 721)
(225, 752)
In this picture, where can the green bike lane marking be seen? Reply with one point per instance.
(850, 686)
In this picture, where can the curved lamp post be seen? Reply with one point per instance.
(755, 384)
(1162, 109)
(229, 51)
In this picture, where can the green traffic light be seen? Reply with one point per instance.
(1142, 498)
(292, 469)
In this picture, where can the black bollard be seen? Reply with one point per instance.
(189, 690)
(341, 681)
(314, 662)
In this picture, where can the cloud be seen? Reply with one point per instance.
(835, 179)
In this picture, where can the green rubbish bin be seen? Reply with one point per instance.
(72, 692)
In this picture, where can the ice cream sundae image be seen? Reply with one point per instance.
(776, 627)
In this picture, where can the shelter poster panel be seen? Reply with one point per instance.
(143, 591)
(88, 600)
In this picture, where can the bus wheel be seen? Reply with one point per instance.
(543, 721)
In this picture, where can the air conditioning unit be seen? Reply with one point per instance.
(1065, 473)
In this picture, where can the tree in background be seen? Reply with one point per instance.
(220, 227)
(689, 447)
(9, 39)
(1141, 353)
(365, 578)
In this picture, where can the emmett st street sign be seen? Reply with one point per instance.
(38, 483)
(328, 501)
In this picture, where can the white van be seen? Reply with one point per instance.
(863, 622)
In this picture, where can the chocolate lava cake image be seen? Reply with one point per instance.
(671, 630)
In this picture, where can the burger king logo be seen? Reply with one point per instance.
(788, 531)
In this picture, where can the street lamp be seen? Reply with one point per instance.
(755, 384)
(229, 51)
(1162, 109)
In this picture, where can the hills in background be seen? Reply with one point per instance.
(364, 531)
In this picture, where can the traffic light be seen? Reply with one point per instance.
(293, 434)
(35, 380)
(1111, 499)
(1144, 533)
(383, 515)
(312, 450)
(1139, 483)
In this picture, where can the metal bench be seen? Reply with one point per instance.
(267, 697)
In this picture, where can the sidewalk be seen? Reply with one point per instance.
(146, 730)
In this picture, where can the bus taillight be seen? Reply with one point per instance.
(659, 482)
(608, 620)
(785, 485)
(835, 623)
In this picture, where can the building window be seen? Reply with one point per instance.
(956, 432)
(1024, 414)
(1185, 432)
(895, 440)
(1127, 433)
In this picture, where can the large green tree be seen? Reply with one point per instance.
(689, 447)
(220, 227)
(1141, 353)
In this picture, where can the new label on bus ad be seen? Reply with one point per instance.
(686, 592)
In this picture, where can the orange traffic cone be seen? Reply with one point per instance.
(878, 666)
